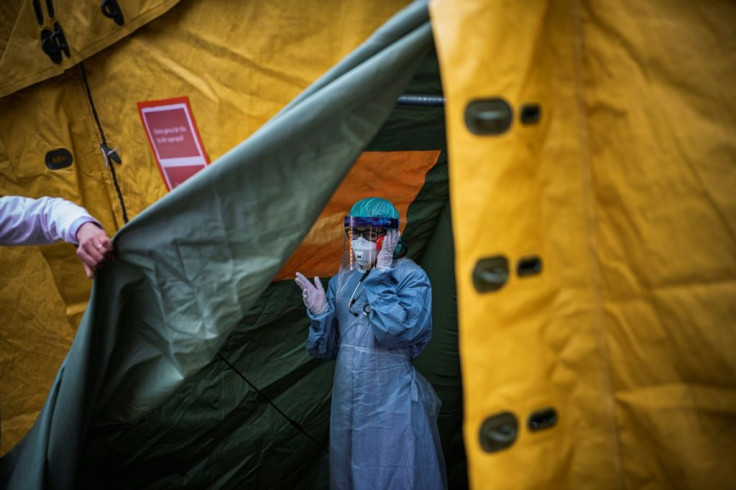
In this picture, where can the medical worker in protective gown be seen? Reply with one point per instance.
(374, 319)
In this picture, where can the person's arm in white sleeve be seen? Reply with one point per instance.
(25, 221)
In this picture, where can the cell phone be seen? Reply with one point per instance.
(379, 243)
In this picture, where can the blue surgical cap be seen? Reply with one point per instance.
(374, 207)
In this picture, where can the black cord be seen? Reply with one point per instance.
(104, 145)
(291, 421)
(353, 300)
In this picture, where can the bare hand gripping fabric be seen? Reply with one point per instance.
(26, 221)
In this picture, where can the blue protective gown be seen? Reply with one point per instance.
(383, 423)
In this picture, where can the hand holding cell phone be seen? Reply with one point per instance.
(386, 255)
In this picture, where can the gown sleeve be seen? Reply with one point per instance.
(323, 339)
(400, 299)
(25, 221)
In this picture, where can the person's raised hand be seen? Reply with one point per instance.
(94, 247)
(313, 294)
(386, 255)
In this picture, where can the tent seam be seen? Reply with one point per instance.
(591, 226)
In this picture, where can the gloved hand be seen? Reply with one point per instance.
(386, 255)
(313, 294)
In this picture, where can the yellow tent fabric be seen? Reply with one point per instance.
(624, 189)
(238, 63)
(79, 30)
(43, 291)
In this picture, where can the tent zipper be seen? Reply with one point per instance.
(110, 153)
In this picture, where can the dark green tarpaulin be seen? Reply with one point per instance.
(192, 265)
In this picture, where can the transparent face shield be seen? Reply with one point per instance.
(362, 240)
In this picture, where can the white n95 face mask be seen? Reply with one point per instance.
(364, 252)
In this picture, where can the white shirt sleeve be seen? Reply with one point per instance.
(25, 221)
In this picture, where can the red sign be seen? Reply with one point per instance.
(174, 139)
